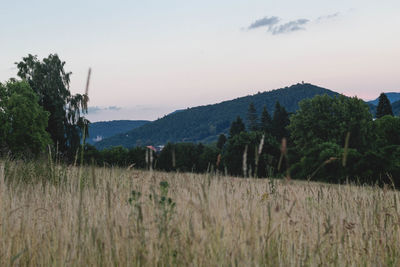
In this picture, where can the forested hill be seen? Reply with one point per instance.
(205, 123)
(396, 108)
(393, 97)
(104, 129)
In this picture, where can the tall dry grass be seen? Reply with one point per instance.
(111, 216)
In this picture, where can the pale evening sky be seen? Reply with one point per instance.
(152, 57)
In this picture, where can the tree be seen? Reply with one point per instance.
(266, 121)
(22, 120)
(236, 127)
(50, 82)
(252, 118)
(280, 121)
(221, 141)
(384, 107)
(326, 119)
(235, 147)
(387, 129)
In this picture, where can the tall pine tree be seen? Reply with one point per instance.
(221, 141)
(384, 107)
(266, 121)
(236, 127)
(280, 121)
(252, 121)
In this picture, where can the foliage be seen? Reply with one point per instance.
(116, 156)
(319, 132)
(392, 96)
(387, 130)
(187, 157)
(384, 107)
(22, 120)
(280, 121)
(50, 82)
(233, 156)
(221, 141)
(266, 121)
(326, 119)
(236, 127)
(252, 120)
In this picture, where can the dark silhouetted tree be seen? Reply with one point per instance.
(252, 121)
(280, 121)
(236, 127)
(221, 141)
(266, 121)
(384, 107)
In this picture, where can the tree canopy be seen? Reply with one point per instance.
(237, 127)
(50, 82)
(266, 121)
(384, 107)
(23, 121)
(280, 121)
(329, 119)
(252, 120)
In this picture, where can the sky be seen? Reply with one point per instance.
(149, 58)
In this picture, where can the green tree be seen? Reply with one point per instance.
(384, 107)
(266, 121)
(22, 120)
(280, 121)
(235, 147)
(236, 127)
(252, 120)
(387, 129)
(326, 119)
(207, 159)
(221, 141)
(50, 82)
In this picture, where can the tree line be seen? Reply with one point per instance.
(329, 138)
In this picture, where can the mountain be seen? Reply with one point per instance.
(396, 108)
(393, 97)
(205, 123)
(105, 129)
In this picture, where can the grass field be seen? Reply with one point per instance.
(66, 216)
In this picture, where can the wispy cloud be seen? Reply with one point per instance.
(264, 22)
(97, 109)
(291, 26)
(274, 26)
(328, 17)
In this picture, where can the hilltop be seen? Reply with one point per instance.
(205, 123)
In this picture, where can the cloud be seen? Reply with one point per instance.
(328, 17)
(291, 26)
(275, 27)
(97, 109)
(264, 22)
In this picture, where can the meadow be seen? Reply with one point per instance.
(57, 215)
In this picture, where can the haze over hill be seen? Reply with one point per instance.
(205, 123)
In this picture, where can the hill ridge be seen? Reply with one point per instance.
(204, 123)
